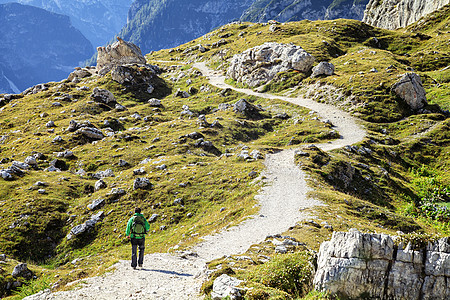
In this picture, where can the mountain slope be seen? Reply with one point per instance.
(160, 24)
(296, 10)
(197, 152)
(98, 20)
(37, 46)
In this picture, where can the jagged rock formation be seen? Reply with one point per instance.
(37, 46)
(296, 10)
(98, 20)
(260, 64)
(393, 14)
(119, 53)
(362, 265)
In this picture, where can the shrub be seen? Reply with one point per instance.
(291, 273)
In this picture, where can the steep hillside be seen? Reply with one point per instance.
(37, 46)
(296, 10)
(192, 161)
(393, 14)
(98, 20)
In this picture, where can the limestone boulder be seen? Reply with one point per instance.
(260, 64)
(410, 89)
(226, 286)
(103, 96)
(324, 68)
(119, 53)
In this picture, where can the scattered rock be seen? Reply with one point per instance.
(103, 96)
(247, 109)
(260, 64)
(153, 218)
(182, 94)
(100, 184)
(21, 270)
(96, 204)
(411, 90)
(140, 171)
(323, 68)
(155, 102)
(50, 124)
(226, 287)
(142, 183)
(103, 174)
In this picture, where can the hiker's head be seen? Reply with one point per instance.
(137, 210)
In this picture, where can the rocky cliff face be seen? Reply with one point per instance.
(37, 46)
(295, 10)
(98, 20)
(393, 14)
(158, 24)
(371, 266)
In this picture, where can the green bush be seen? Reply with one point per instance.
(291, 273)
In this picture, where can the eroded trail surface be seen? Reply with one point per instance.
(167, 276)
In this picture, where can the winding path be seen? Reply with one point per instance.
(173, 277)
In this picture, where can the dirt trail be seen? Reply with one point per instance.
(167, 276)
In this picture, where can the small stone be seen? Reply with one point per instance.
(50, 124)
(100, 184)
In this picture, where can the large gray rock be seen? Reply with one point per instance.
(119, 53)
(21, 270)
(141, 183)
(260, 64)
(226, 286)
(103, 96)
(393, 14)
(354, 264)
(411, 90)
(323, 68)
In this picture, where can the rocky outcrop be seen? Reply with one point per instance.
(260, 64)
(295, 10)
(393, 14)
(117, 54)
(362, 265)
(411, 90)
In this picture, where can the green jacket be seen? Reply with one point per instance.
(130, 222)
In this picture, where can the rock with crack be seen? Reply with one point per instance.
(324, 68)
(119, 53)
(354, 264)
(103, 96)
(260, 64)
(226, 286)
(411, 90)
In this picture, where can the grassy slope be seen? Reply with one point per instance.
(386, 203)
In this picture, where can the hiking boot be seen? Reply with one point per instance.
(134, 268)
(140, 265)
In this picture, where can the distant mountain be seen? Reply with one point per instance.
(158, 24)
(98, 20)
(37, 46)
(296, 10)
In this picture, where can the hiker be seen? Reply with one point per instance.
(137, 227)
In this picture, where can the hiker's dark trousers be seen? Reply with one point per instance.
(135, 243)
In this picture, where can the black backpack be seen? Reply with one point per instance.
(138, 227)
